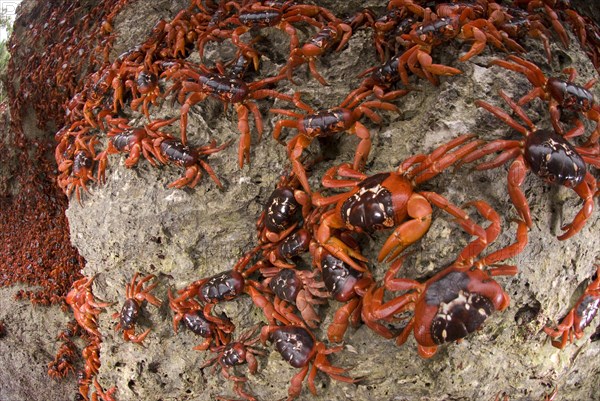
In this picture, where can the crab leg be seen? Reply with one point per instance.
(585, 190)
(419, 209)
(516, 177)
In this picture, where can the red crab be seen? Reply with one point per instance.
(229, 285)
(280, 238)
(549, 155)
(101, 395)
(549, 13)
(293, 245)
(336, 34)
(136, 294)
(190, 313)
(299, 348)
(135, 141)
(560, 94)
(388, 200)
(71, 138)
(283, 211)
(180, 34)
(344, 284)
(144, 89)
(515, 23)
(387, 28)
(170, 150)
(327, 122)
(195, 86)
(260, 15)
(448, 306)
(298, 287)
(237, 353)
(91, 357)
(85, 307)
(463, 23)
(63, 361)
(76, 172)
(580, 316)
(382, 80)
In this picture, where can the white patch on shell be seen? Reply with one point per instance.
(375, 191)
(295, 343)
(445, 309)
(286, 202)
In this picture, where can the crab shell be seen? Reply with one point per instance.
(455, 303)
(129, 314)
(235, 354)
(339, 278)
(295, 344)
(552, 158)
(570, 95)
(286, 285)
(223, 286)
(376, 203)
(585, 312)
(282, 210)
(198, 324)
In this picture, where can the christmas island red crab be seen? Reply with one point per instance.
(136, 294)
(279, 237)
(62, 364)
(559, 94)
(101, 395)
(144, 89)
(263, 14)
(387, 200)
(136, 141)
(381, 80)
(76, 172)
(580, 316)
(278, 15)
(372, 295)
(336, 34)
(85, 307)
(196, 86)
(91, 358)
(344, 283)
(299, 348)
(298, 287)
(463, 23)
(515, 24)
(448, 306)
(549, 15)
(190, 312)
(549, 155)
(223, 286)
(234, 354)
(326, 122)
(169, 149)
(283, 211)
(229, 285)
(295, 244)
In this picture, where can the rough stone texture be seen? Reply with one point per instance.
(134, 223)
(29, 344)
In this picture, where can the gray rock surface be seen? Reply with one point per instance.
(134, 223)
(27, 347)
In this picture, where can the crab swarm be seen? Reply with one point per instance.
(309, 248)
